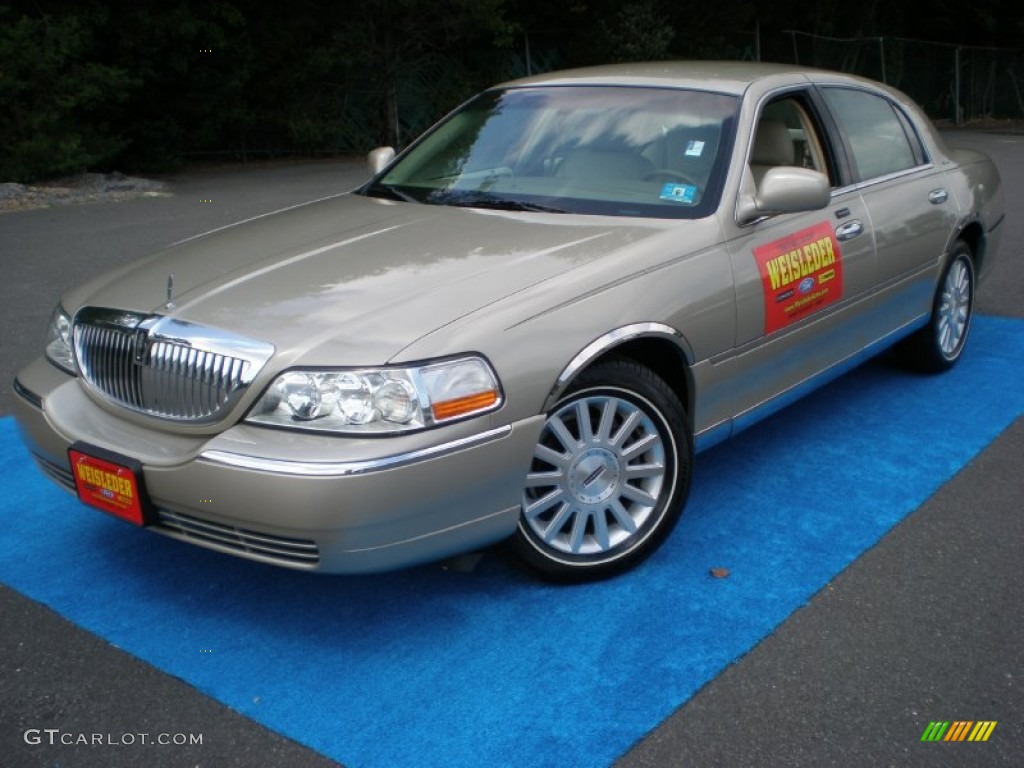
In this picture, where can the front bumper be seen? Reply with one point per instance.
(299, 500)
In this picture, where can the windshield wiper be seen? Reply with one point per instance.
(385, 190)
(480, 200)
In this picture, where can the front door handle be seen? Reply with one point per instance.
(849, 230)
(938, 196)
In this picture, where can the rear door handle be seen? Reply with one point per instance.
(849, 230)
(938, 196)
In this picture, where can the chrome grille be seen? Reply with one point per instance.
(105, 359)
(162, 366)
(262, 546)
(197, 381)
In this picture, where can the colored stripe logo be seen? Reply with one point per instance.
(958, 730)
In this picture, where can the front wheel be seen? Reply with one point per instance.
(609, 475)
(938, 345)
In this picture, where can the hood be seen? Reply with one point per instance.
(352, 280)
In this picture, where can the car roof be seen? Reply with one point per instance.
(732, 77)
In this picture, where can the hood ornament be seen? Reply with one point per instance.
(170, 292)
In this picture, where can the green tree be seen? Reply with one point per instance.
(56, 97)
(395, 39)
(195, 66)
(638, 31)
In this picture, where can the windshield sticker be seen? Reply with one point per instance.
(694, 148)
(679, 193)
(801, 273)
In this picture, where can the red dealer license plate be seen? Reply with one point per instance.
(109, 482)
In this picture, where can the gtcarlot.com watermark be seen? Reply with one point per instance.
(56, 736)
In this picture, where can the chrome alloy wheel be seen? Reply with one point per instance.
(598, 474)
(954, 308)
(938, 345)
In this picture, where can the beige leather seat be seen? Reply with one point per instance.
(772, 147)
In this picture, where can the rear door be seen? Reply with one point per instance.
(911, 210)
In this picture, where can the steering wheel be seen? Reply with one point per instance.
(668, 174)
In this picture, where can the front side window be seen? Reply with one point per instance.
(877, 136)
(619, 151)
(786, 134)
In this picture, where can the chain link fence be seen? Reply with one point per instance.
(954, 83)
(959, 83)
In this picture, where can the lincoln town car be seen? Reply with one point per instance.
(524, 327)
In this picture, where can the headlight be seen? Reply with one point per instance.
(58, 340)
(379, 400)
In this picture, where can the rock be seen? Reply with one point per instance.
(82, 188)
(10, 190)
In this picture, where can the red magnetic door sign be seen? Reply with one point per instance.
(801, 273)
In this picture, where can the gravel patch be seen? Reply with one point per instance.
(83, 188)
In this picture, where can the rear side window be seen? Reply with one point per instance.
(881, 139)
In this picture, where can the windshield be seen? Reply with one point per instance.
(621, 151)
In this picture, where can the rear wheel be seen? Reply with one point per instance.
(609, 475)
(938, 345)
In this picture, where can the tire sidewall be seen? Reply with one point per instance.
(960, 254)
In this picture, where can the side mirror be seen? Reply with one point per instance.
(379, 158)
(786, 189)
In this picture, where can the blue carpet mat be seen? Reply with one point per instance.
(435, 668)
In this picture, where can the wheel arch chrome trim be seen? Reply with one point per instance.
(610, 341)
(348, 468)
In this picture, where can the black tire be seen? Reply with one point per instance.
(609, 477)
(937, 346)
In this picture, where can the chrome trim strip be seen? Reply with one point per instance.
(27, 395)
(347, 468)
(724, 430)
(239, 541)
(825, 314)
(712, 436)
(875, 180)
(608, 341)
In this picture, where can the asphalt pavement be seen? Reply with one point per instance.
(925, 626)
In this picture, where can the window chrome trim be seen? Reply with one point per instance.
(349, 468)
(861, 185)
